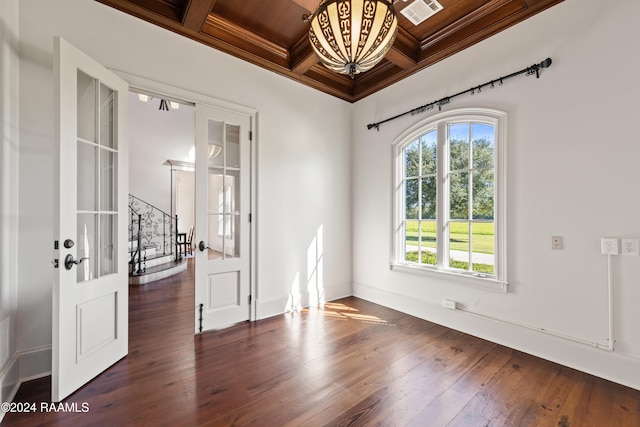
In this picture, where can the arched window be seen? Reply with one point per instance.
(449, 194)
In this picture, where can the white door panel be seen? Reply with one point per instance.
(90, 289)
(223, 155)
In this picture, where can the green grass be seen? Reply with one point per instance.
(482, 237)
(430, 258)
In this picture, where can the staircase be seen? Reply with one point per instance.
(153, 252)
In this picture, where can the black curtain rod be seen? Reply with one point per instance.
(531, 70)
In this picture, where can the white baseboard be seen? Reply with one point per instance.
(9, 380)
(35, 363)
(613, 366)
(23, 366)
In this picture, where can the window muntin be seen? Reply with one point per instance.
(448, 216)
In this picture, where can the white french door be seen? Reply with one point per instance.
(90, 286)
(222, 230)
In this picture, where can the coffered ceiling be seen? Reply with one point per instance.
(273, 35)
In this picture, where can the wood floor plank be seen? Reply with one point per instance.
(348, 363)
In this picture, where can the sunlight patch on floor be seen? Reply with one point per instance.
(340, 311)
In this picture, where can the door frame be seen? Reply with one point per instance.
(162, 90)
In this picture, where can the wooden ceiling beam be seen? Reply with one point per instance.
(405, 50)
(240, 42)
(196, 14)
(302, 56)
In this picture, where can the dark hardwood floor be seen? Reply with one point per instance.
(350, 363)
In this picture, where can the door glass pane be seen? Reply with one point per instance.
(96, 180)
(216, 192)
(87, 185)
(216, 143)
(107, 114)
(223, 190)
(231, 196)
(86, 247)
(108, 180)
(86, 107)
(232, 145)
(216, 224)
(108, 244)
(232, 244)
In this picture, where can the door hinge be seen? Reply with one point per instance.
(250, 135)
(55, 245)
(55, 263)
(250, 217)
(249, 299)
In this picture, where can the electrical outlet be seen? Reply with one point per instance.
(629, 247)
(609, 246)
(450, 304)
(556, 242)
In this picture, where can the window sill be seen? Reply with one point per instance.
(487, 283)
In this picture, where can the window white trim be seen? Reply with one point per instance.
(439, 121)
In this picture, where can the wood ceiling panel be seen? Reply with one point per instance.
(279, 21)
(453, 11)
(470, 24)
(272, 35)
(309, 5)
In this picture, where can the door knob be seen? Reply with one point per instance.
(70, 262)
(202, 246)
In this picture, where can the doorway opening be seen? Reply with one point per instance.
(208, 189)
(161, 186)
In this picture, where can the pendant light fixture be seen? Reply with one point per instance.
(351, 36)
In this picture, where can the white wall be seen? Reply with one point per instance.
(156, 136)
(9, 369)
(303, 151)
(572, 171)
(185, 200)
